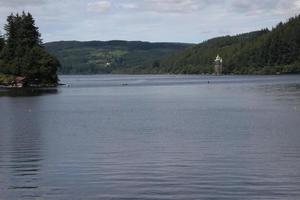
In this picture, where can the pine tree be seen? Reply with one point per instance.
(2, 43)
(11, 37)
(23, 53)
(28, 32)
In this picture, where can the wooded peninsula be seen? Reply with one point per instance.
(23, 58)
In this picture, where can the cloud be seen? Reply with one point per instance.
(99, 6)
(21, 3)
(154, 20)
(165, 7)
(128, 6)
(249, 7)
(176, 6)
(255, 7)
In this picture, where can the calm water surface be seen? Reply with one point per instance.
(152, 137)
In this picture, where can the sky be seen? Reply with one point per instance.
(191, 21)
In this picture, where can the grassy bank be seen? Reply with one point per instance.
(6, 80)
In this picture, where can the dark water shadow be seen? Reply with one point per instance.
(27, 92)
(26, 149)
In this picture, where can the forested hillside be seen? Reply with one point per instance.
(96, 57)
(259, 52)
(262, 52)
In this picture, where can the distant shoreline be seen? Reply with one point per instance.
(40, 86)
(31, 86)
(175, 74)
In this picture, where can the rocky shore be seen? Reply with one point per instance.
(10, 81)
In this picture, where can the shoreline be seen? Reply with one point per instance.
(31, 86)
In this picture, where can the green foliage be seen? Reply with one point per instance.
(6, 79)
(40, 66)
(260, 52)
(2, 42)
(98, 57)
(22, 53)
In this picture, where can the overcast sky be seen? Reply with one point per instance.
(150, 20)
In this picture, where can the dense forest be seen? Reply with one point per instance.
(262, 52)
(96, 57)
(22, 53)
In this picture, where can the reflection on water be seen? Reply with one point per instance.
(27, 92)
(159, 137)
(20, 152)
(288, 94)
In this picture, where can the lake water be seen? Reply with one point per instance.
(152, 137)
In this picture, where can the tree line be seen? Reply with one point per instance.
(126, 57)
(260, 52)
(22, 52)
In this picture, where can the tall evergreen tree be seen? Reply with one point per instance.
(23, 53)
(11, 37)
(2, 43)
(29, 32)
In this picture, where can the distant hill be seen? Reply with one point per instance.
(261, 52)
(97, 57)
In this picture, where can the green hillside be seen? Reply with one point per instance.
(97, 57)
(262, 52)
(259, 52)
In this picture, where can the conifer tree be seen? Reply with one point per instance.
(28, 32)
(2, 43)
(23, 53)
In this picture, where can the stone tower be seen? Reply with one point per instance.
(218, 65)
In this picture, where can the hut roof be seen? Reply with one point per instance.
(20, 78)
